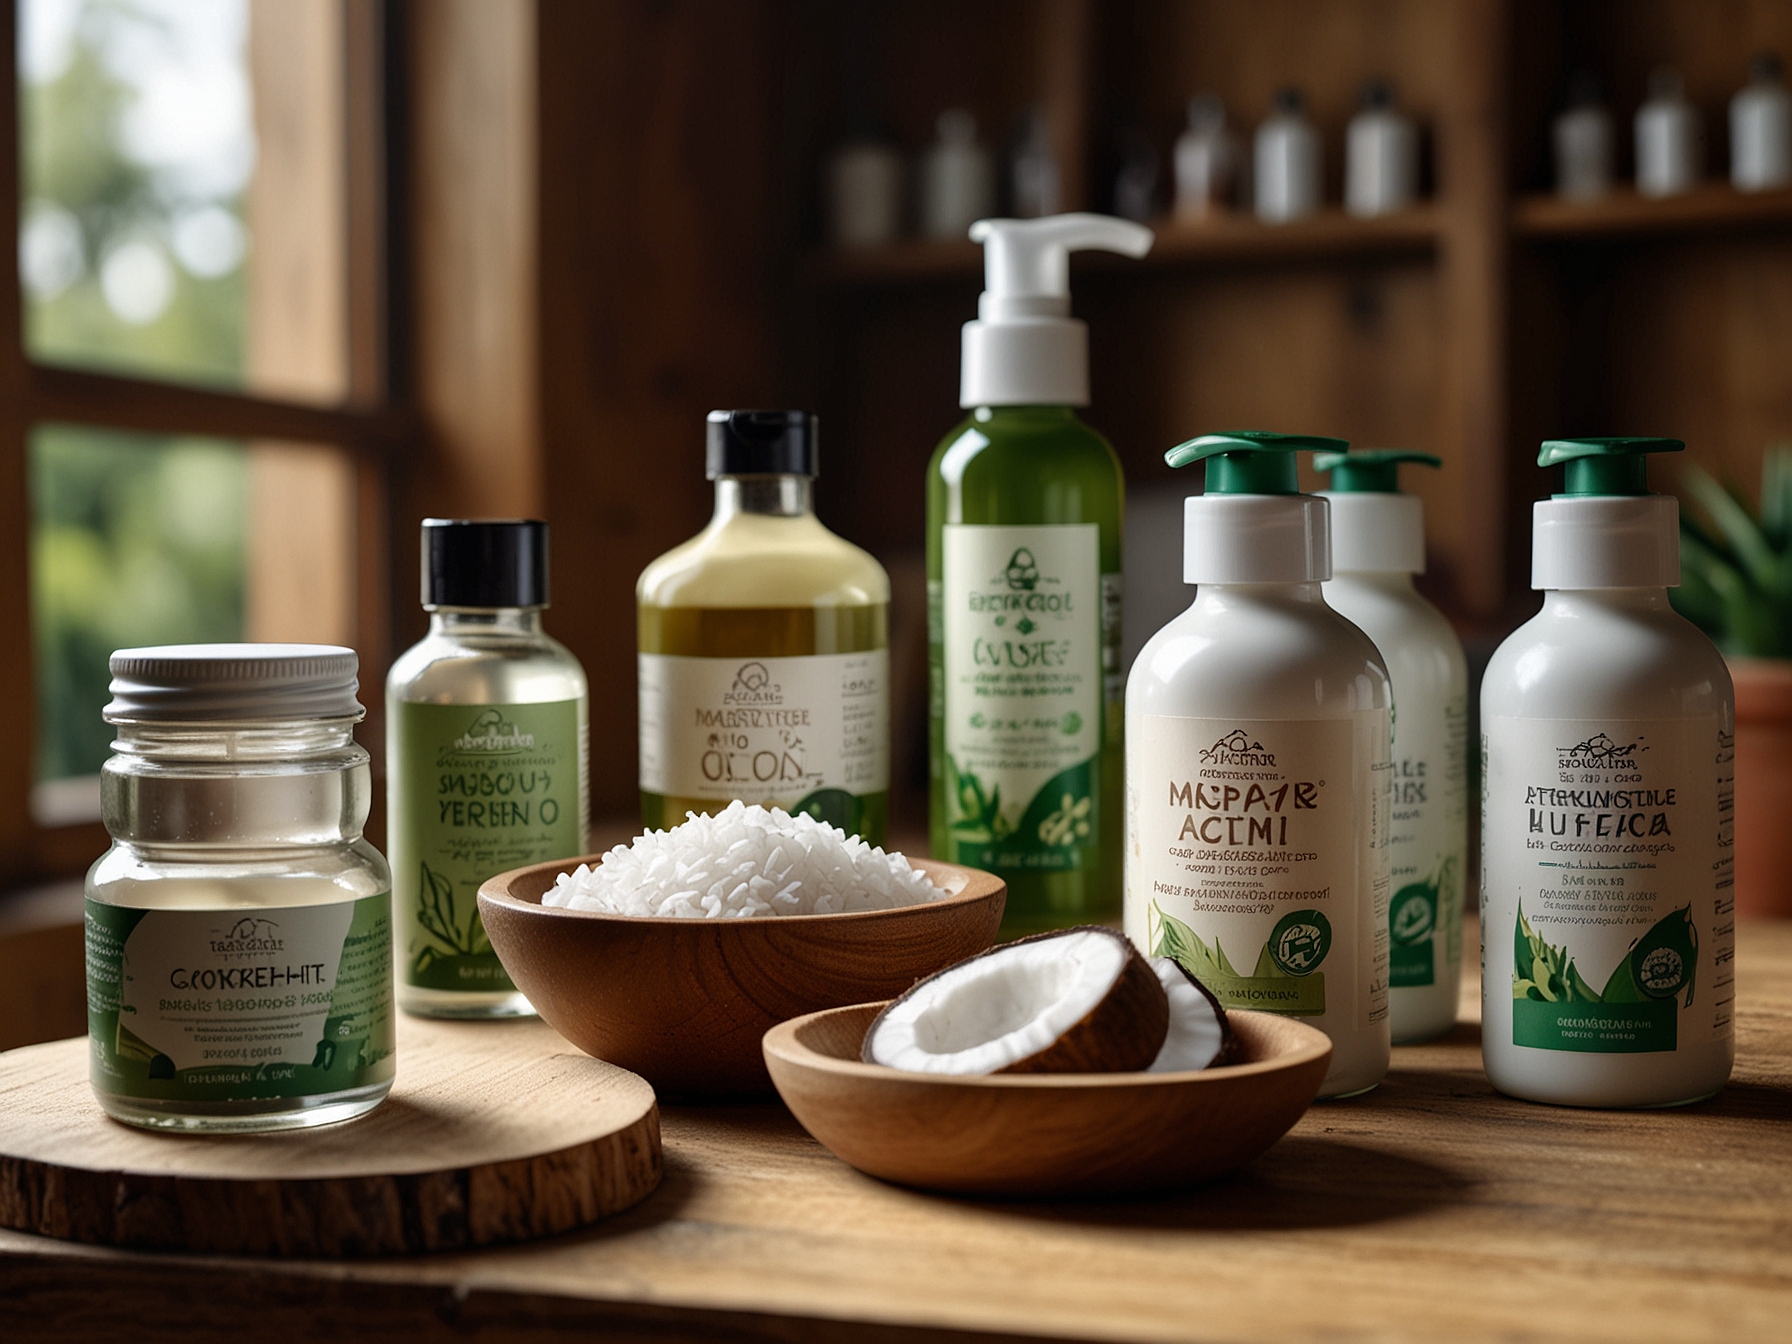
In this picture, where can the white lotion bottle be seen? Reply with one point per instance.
(958, 184)
(1381, 156)
(1378, 544)
(1761, 128)
(1608, 733)
(1670, 149)
(1288, 162)
(1582, 137)
(1257, 761)
(1207, 160)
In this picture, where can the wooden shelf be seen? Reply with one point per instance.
(1710, 207)
(1232, 237)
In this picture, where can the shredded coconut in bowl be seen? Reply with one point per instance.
(741, 863)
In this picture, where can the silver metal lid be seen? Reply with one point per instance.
(240, 683)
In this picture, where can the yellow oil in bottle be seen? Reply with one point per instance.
(764, 647)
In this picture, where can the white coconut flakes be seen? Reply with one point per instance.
(743, 862)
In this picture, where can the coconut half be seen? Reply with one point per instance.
(1079, 1001)
(1199, 1037)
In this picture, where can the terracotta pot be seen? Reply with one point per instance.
(1763, 786)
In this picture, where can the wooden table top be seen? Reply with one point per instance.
(1430, 1209)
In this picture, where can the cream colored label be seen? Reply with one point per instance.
(772, 731)
(1257, 856)
(1606, 898)
(1022, 610)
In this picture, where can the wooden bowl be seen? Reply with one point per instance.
(685, 1002)
(1045, 1134)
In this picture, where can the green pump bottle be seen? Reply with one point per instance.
(1024, 505)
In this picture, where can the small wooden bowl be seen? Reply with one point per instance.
(1044, 1135)
(685, 1002)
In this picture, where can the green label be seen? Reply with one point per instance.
(481, 789)
(1286, 977)
(1413, 917)
(240, 1004)
(1638, 1008)
(1023, 613)
(1609, 1028)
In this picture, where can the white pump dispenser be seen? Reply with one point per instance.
(1024, 348)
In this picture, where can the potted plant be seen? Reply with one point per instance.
(1736, 585)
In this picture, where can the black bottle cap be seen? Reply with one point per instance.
(501, 562)
(762, 443)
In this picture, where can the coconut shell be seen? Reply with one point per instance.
(1122, 1032)
(1231, 1051)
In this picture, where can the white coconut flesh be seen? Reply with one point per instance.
(1015, 1003)
(1198, 1031)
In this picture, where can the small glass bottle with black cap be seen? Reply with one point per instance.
(763, 646)
(486, 732)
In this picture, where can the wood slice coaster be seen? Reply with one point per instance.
(494, 1132)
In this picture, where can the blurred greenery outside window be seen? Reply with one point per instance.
(137, 150)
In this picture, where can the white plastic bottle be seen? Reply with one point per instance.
(1761, 128)
(1378, 544)
(1583, 142)
(1381, 155)
(957, 178)
(1288, 162)
(1257, 762)
(1670, 148)
(864, 192)
(1608, 722)
(1206, 160)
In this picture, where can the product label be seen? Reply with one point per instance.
(1608, 875)
(484, 788)
(1429, 802)
(241, 1003)
(1257, 857)
(807, 734)
(1025, 617)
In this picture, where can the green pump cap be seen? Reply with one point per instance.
(1372, 471)
(1604, 466)
(1251, 461)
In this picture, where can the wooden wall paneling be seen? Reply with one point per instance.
(301, 533)
(658, 303)
(1466, 513)
(470, 73)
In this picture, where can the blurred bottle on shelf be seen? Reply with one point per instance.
(1761, 128)
(864, 193)
(1207, 160)
(957, 178)
(1670, 149)
(1381, 155)
(1583, 141)
(1288, 162)
(1033, 173)
(1135, 184)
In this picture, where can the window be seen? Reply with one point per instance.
(201, 412)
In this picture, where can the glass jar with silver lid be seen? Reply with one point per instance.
(239, 929)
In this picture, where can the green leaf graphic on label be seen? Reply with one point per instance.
(1178, 942)
(979, 818)
(1635, 1011)
(436, 914)
(1267, 990)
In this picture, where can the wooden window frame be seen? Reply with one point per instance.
(369, 425)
